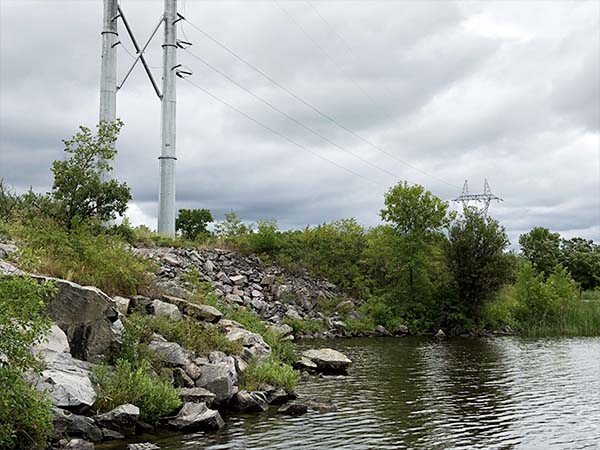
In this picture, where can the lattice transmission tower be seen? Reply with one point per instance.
(486, 198)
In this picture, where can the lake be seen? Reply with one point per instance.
(423, 393)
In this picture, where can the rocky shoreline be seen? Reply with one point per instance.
(87, 323)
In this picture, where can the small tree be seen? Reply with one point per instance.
(80, 188)
(192, 222)
(231, 227)
(476, 259)
(541, 248)
(581, 257)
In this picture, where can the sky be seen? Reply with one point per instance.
(434, 93)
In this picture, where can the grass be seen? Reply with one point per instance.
(83, 255)
(154, 396)
(271, 372)
(582, 319)
(305, 326)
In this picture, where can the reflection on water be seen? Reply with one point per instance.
(420, 393)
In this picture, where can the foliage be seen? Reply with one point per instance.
(541, 248)
(144, 236)
(192, 223)
(8, 200)
(193, 335)
(302, 326)
(155, 397)
(266, 239)
(231, 227)
(85, 254)
(476, 261)
(272, 372)
(81, 187)
(582, 259)
(25, 419)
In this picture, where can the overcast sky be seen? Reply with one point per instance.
(438, 91)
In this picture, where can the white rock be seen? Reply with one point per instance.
(163, 309)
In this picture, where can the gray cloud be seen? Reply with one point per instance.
(499, 90)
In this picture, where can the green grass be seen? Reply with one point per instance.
(154, 396)
(84, 254)
(582, 319)
(305, 326)
(271, 372)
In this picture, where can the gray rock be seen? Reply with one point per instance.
(205, 313)
(279, 397)
(171, 260)
(163, 309)
(322, 406)
(78, 444)
(254, 344)
(70, 425)
(239, 280)
(258, 304)
(197, 416)
(282, 329)
(220, 379)
(209, 266)
(66, 381)
(233, 298)
(196, 395)
(6, 250)
(122, 304)
(267, 280)
(122, 419)
(440, 334)
(293, 409)
(54, 343)
(381, 330)
(143, 446)
(192, 370)
(245, 401)
(305, 363)
(85, 315)
(328, 360)
(172, 353)
(403, 329)
(7, 268)
(182, 379)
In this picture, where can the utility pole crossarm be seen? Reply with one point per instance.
(140, 52)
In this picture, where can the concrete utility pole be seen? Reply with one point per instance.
(108, 71)
(167, 158)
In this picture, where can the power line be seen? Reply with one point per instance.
(293, 119)
(277, 133)
(307, 104)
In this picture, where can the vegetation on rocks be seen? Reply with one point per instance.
(270, 372)
(25, 419)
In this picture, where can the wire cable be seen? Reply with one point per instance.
(277, 133)
(316, 110)
(293, 119)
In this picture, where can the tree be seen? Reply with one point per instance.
(476, 259)
(541, 248)
(581, 257)
(231, 227)
(80, 188)
(418, 218)
(192, 222)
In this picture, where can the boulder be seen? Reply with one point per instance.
(54, 343)
(66, 380)
(70, 425)
(123, 419)
(197, 416)
(122, 304)
(381, 330)
(78, 444)
(279, 397)
(181, 378)
(234, 298)
(282, 329)
(440, 334)
(322, 406)
(305, 364)
(163, 309)
(196, 395)
(403, 329)
(85, 315)
(219, 378)
(171, 260)
(267, 280)
(239, 280)
(293, 409)
(172, 353)
(254, 344)
(245, 401)
(205, 313)
(328, 360)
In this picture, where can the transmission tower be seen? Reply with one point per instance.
(109, 89)
(465, 197)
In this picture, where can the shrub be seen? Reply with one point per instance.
(195, 336)
(305, 326)
(192, 223)
(266, 239)
(83, 254)
(155, 397)
(271, 372)
(25, 419)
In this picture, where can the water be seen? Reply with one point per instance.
(420, 393)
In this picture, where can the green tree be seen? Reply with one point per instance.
(192, 222)
(581, 257)
(266, 239)
(231, 227)
(418, 218)
(541, 248)
(80, 188)
(476, 260)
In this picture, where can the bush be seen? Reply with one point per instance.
(271, 372)
(25, 419)
(305, 326)
(192, 223)
(266, 239)
(155, 397)
(85, 254)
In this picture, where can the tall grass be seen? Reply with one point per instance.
(582, 319)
